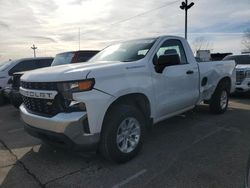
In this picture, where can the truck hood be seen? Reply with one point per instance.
(4, 77)
(3, 74)
(243, 66)
(68, 72)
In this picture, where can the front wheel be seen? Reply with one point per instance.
(16, 101)
(219, 100)
(122, 134)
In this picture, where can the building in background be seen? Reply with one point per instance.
(203, 55)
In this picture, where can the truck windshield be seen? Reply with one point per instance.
(63, 59)
(5, 65)
(239, 59)
(125, 51)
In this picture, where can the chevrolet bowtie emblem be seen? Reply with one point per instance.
(49, 103)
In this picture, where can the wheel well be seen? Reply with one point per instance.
(225, 81)
(139, 100)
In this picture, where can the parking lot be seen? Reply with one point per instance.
(196, 149)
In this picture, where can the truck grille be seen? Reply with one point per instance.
(40, 85)
(41, 106)
(45, 107)
(240, 76)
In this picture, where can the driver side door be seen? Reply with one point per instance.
(176, 88)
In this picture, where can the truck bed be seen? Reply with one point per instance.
(213, 71)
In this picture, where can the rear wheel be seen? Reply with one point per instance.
(219, 100)
(122, 134)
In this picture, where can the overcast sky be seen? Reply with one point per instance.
(52, 25)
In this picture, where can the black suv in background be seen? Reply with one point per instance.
(26, 64)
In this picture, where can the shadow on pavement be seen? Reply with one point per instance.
(43, 164)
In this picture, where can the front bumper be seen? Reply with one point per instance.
(244, 86)
(63, 129)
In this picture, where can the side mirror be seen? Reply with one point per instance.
(167, 60)
(12, 71)
(10, 81)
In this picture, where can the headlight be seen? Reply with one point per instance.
(248, 73)
(67, 88)
(78, 86)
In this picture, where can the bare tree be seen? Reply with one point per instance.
(246, 39)
(201, 43)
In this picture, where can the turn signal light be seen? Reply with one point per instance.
(86, 85)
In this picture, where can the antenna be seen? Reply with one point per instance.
(34, 49)
(79, 37)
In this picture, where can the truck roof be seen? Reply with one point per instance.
(33, 58)
(77, 51)
(157, 37)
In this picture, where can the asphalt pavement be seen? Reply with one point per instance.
(195, 149)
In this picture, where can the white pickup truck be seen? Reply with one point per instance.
(109, 102)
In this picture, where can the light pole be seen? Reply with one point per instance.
(185, 6)
(79, 38)
(34, 49)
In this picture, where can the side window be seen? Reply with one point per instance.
(44, 63)
(142, 52)
(83, 58)
(246, 60)
(172, 46)
(23, 66)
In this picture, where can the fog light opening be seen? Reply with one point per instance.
(85, 125)
(77, 106)
(82, 106)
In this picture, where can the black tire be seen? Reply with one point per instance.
(215, 102)
(108, 146)
(248, 94)
(16, 102)
(1, 99)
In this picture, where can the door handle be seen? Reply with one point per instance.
(190, 72)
